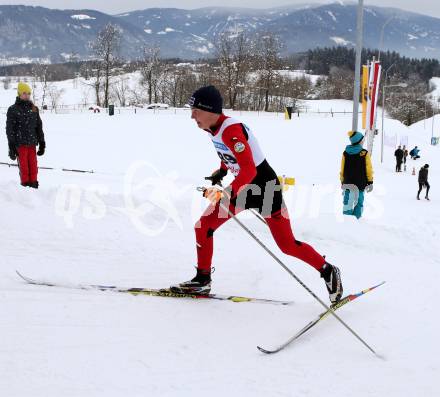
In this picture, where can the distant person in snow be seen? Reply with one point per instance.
(414, 153)
(24, 130)
(423, 181)
(405, 155)
(356, 175)
(255, 186)
(399, 154)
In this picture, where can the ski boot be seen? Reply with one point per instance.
(332, 278)
(200, 284)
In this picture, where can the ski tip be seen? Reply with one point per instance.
(380, 284)
(262, 350)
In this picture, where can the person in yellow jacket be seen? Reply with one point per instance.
(24, 130)
(356, 175)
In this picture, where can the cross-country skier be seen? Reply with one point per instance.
(255, 186)
(24, 130)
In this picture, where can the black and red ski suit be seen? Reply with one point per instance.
(235, 138)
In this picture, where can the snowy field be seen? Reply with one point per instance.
(130, 223)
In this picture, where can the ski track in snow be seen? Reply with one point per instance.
(75, 343)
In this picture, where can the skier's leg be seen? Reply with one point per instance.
(281, 230)
(359, 208)
(205, 227)
(280, 227)
(210, 221)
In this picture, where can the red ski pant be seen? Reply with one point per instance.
(27, 162)
(279, 225)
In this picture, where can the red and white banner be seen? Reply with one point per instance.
(373, 94)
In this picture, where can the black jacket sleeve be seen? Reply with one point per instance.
(40, 133)
(10, 127)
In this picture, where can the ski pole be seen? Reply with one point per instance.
(251, 209)
(53, 169)
(246, 229)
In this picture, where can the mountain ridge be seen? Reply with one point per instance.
(53, 35)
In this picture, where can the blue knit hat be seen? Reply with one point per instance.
(355, 137)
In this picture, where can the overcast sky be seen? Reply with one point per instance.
(429, 7)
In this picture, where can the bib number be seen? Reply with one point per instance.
(227, 158)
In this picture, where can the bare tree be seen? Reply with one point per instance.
(207, 75)
(93, 74)
(40, 73)
(182, 85)
(410, 104)
(55, 95)
(234, 53)
(106, 50)
(151, 71)
(337, 85)
(121, 90)
(288, 90)
(85, 96)
(268, 62)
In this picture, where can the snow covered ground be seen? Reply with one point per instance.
(131, 223)
(72, 93)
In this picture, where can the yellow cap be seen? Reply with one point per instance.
(23, 88)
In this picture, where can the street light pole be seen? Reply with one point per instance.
(382, 31)
(357, 72)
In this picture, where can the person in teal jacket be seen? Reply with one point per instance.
(356, 175)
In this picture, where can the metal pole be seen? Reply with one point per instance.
(382, 35)
(328, 308)
(357, 72)
(424, 120)
(383, 111)
(317, 298)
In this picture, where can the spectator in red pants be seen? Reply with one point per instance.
(24, 130)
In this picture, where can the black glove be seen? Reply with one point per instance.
(217, 176)
(13, 152)
(369, 187)
(41, 148)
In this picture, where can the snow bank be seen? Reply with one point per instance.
(92, 228)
